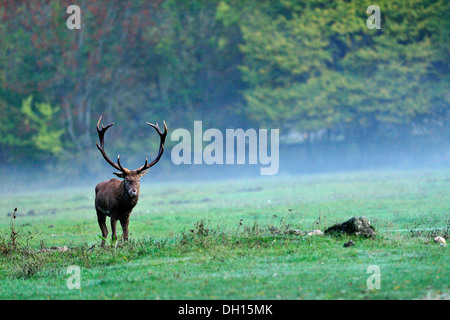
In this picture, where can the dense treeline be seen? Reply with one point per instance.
(313, 69)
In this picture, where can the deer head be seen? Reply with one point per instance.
(131, 177)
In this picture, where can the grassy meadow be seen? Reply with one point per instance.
(227, 240)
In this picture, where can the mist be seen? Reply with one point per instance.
(295, 159)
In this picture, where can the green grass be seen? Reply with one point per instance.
(212, 240)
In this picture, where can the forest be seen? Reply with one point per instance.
(335, 88)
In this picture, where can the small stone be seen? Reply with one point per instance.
(441, 241)
(315, 233)
(349, 244)
(62, 249)
(274, 230)
(297, 232)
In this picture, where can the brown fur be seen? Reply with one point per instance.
(113, 198)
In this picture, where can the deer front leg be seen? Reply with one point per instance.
(101, 218)
(113, 229)
(124, 224)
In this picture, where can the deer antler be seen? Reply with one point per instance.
(101, 135)
(162, 136)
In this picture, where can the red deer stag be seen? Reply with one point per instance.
(116, 198)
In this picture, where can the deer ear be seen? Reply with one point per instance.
(143, 173)
(120, 174)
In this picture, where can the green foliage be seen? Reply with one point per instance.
(317, 65)
(300, 66)
(9, 135)
(43, 134)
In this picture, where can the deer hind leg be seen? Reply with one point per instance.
(124, 224)
(101, 218)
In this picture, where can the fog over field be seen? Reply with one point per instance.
(294, 159)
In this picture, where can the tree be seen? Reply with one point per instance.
(314, 65)
(77, 69)
(39, 122)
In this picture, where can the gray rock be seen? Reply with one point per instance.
(359, 226)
